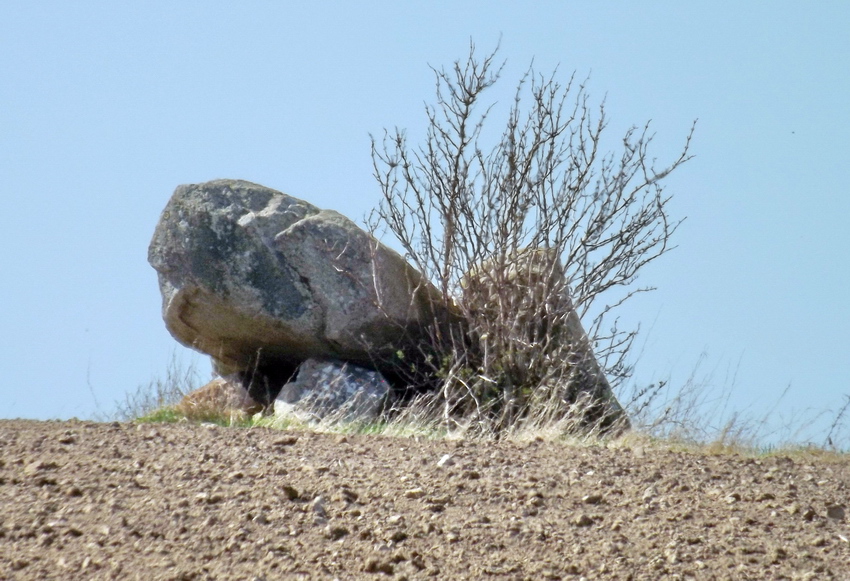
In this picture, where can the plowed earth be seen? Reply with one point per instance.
(122, 501)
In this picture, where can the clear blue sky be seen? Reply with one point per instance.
(105, 107)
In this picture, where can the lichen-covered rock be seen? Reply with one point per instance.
(262, 281)
(327, 387)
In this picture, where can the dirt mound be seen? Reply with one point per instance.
(121, 501)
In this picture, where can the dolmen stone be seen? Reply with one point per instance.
(541, 312)
(262, 281)
(291, 299)
(333, 389)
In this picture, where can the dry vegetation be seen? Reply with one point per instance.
(693, 415)
(523, 234)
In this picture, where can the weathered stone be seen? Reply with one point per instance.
(527, 296)
(219, 397)
(262, 281)
(326, 387)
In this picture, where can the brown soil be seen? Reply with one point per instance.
(121, 501)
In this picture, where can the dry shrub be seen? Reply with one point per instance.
(523, 237)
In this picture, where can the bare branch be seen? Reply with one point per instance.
(545, 223)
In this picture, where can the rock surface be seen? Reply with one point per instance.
(262, 281)
(335, 389)
(80, 500)
(528, 297)
(219, 396)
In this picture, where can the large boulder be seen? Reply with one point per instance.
(262, 281)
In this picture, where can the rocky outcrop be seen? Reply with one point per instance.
(327, 388)
(262, 281)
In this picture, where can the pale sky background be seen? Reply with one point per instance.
(105, 107)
